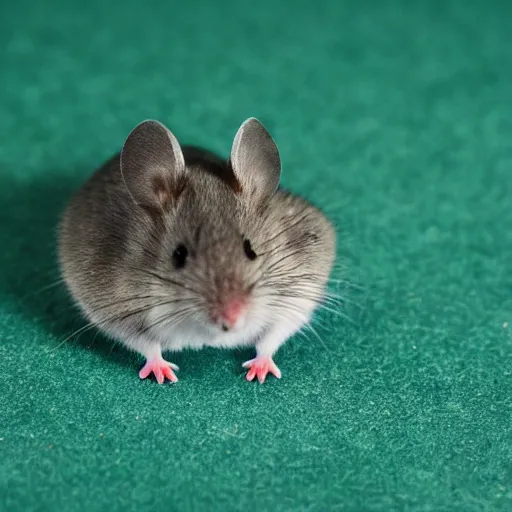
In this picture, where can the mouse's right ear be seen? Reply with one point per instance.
(153, 166)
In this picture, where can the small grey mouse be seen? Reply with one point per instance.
(167, 247)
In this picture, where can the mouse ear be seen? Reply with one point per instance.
(255, 161)
(152, 166)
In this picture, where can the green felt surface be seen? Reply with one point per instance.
(396, 118)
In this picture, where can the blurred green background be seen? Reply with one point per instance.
(395, 118)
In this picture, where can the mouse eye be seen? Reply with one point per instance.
(248, 250)
(179, 256)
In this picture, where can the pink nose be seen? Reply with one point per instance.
(231, 312)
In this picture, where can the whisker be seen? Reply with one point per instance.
(281, 260)
(344, 300)
(336, 312)
(306, 324)
(298, 216)
(117, 318)
(346, 283)
(165, 279)
(136, 299)
(43, 289)
(319, 305)
(94, 339)
(310, 327)
(82, 329)
(176, 317)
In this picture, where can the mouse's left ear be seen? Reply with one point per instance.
(255, 161)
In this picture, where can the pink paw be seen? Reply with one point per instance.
(260, 367)
(161, 369)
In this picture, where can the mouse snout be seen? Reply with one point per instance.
(230, 313)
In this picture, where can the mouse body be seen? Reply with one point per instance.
(166, 247)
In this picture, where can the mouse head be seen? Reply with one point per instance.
(210, 233)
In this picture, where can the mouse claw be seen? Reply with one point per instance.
(260, 367)
(161, 369)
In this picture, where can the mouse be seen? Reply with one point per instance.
(169, 247)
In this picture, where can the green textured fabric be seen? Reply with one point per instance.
(393, 116)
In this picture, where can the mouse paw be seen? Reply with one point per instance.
(160, 368)
(260, 367)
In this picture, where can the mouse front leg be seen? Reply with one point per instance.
(263, 364)
(155, 363)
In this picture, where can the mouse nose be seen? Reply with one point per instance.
(230, 313)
